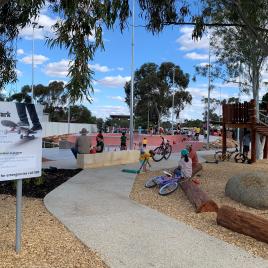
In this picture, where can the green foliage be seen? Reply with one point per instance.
(79, 21)
(166, 125)
(81, 114)
(214, 104)
(39, 181)
(153, 90)
(100, 123)
(193, 123)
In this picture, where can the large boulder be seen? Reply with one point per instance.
(251, 189)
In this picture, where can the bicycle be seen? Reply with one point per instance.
(241, 158)
(168, 184)
(162, 151)
(219, 156)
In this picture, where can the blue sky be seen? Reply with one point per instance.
(112, 66)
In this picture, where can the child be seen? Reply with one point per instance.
(123, 138)
(144, 157)
(185, 165)
(100, 142)
(144, 142)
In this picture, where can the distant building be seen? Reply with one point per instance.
(120, 116)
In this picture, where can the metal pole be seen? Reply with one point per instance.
(69, 116)
(238, 129)
(132, 78)
(148, 118)
(18, 214)
(209, 78)
(33, 65)
(173, 93)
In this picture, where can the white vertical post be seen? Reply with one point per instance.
(148, 117)
(132, 79)
(33, 64)
(173, 93)
(69, 116)
(209, 78)
(18, 214)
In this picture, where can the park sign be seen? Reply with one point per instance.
(20, 140)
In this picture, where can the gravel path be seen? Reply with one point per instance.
(213, 180)
(46, 243)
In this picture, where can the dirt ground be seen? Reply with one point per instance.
(213, 180)
(46, 242)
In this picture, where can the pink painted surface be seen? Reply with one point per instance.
(113, 140)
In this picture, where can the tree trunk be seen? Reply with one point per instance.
(198, 198)
(260, 145)
(255, 89)
(243, 222)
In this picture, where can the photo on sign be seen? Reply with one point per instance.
(20, 140)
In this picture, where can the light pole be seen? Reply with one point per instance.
(173, 95)
(132, 79)
(69, 116)
(39, 27)
(209, 80)
(148, 116)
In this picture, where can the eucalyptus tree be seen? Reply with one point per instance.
(153, 87)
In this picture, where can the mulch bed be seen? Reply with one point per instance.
(213, 179)
(40, 187)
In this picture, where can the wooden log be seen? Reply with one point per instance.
(198, 198)
(243, 222)
(196, 168)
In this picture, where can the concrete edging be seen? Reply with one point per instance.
(105, 159)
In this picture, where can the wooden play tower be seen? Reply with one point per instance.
(243, 115)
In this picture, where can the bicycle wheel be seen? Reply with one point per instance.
(158, 154)
(150, 183)
(168, 151)
(240, 158)
(218, 156)
(168, 188)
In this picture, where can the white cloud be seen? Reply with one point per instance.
(19, 73)
(38, 59)
(42, 20)
(118, 98)
(203, 64)
(96, 90)
(120, 68)
(196, 56)
(57, 69)
(114, 81)
(100, 68)
(20, 51)
(187, 43)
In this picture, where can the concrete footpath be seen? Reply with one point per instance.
(95, 206)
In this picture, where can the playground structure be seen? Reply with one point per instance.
(244, 115)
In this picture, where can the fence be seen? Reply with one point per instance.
(56, 128)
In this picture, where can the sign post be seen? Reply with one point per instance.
(18, 215)
(20, 149)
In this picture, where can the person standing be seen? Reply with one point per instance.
(123, 139)
(144, 142)
(246, 143)
(82, 143)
